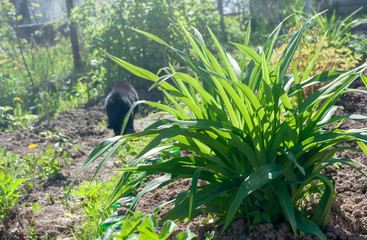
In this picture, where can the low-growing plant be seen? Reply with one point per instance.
(43, 164)
(128, 151)
(10, 121)
(145, 227)
(90, 198)
(36, 207)
(7, 120)
(9, 191)
(257, 143)
(58, 139)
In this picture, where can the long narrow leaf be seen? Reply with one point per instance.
(286, 204)
(307, 226)
(253, 182)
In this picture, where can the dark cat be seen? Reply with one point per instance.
(118, 103)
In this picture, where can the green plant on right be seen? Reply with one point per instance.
(317, 54)
(9, 191)
(339, 28)
(329, 58)
(257, 142)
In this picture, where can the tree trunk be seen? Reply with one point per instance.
(222, 27)
(253, 14)
(73, 36)
(309, 7)
(22, 8)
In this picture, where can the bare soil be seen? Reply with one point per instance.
(348, 217)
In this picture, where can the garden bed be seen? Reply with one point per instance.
(348, 218)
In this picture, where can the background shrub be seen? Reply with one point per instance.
(330, 56)
(110, 27)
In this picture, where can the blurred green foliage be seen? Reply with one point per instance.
(330, 57)
(29, 70)
(339, 28)
(109, 26)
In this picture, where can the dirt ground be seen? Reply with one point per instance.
(348, 217)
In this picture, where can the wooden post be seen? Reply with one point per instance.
(73, 36)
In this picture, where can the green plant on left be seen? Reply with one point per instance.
(43, 164)
(257, 142)
(9, 192)
(35, 72)
(9, 121)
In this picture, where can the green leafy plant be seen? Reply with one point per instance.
(257, 142)
(58, 139)
(43, 164)
(9, 121)
(38, 73)
(9, 191)
(145, 227)
(330, 58)
(321, 52)
(90, 198)
(339, 28)
(36, 207)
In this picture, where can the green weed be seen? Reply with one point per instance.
(91, 198)
(37, 165)
(145, 227)
(9, 191)
(10, 119)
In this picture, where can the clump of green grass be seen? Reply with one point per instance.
(257, 142)
(42, 163)
(90, 198)
(9, 191)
